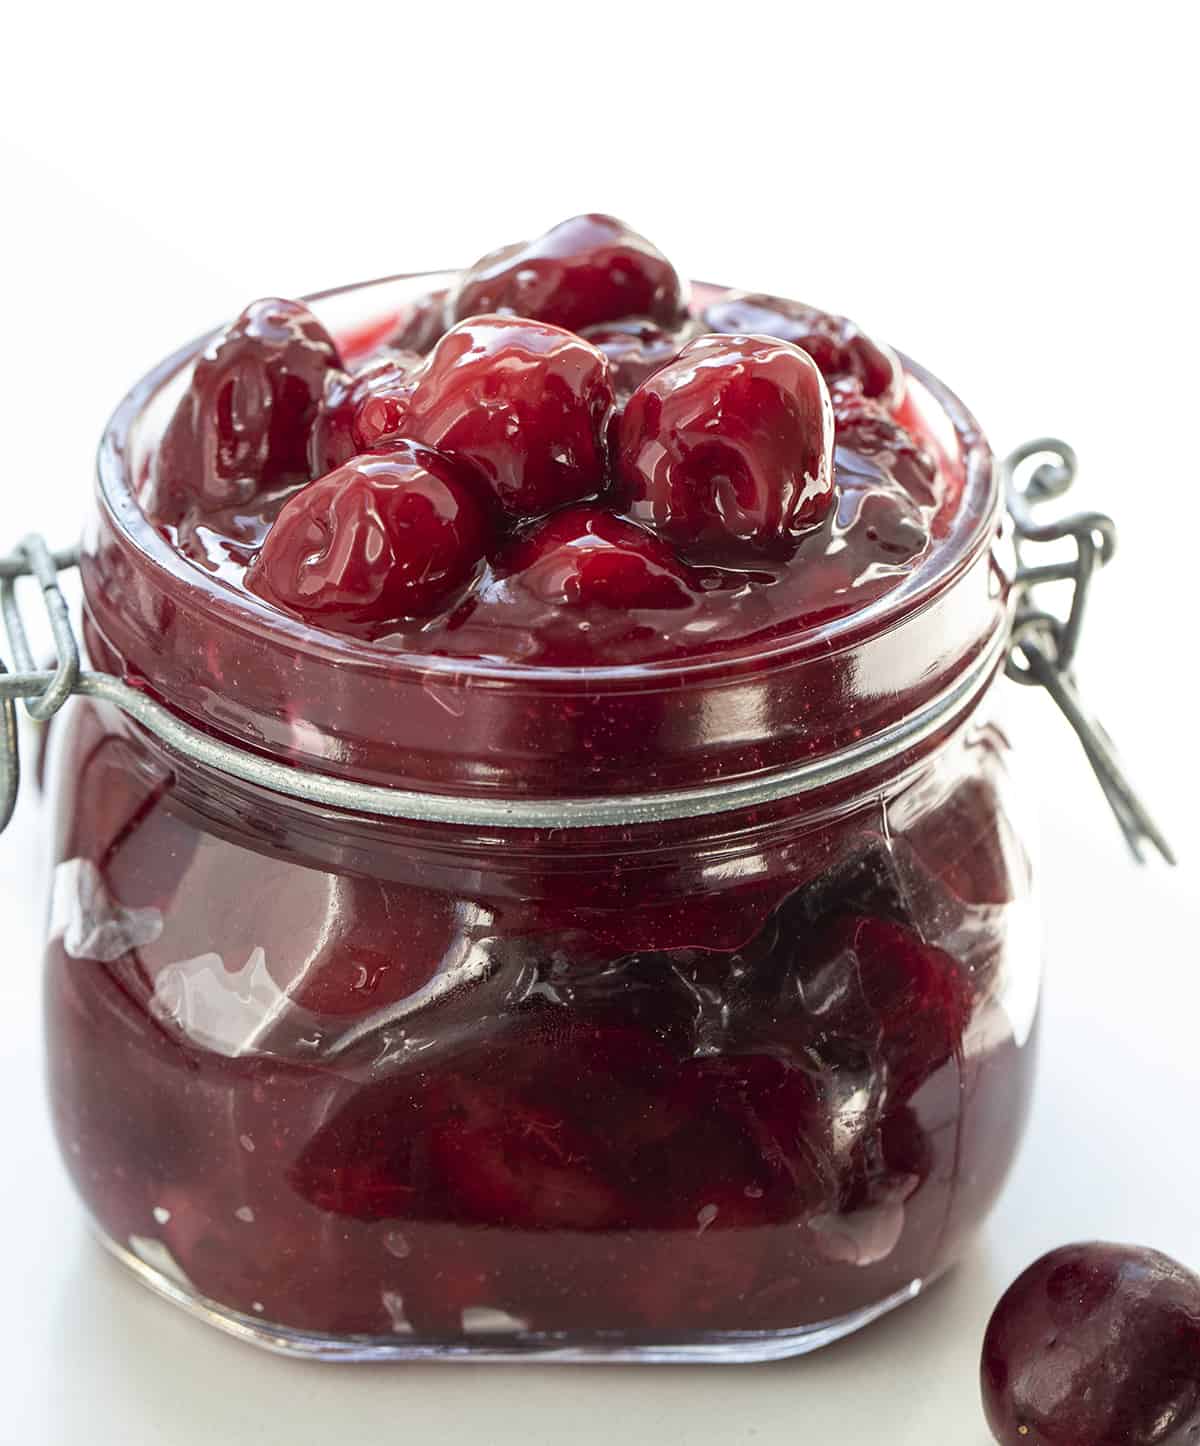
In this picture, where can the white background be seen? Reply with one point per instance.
(1004, 192)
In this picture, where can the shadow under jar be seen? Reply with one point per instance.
(720, 1086)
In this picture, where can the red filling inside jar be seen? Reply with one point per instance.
(750, 1071)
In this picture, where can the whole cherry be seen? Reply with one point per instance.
(835, 343)
(523, 404)
(244, 422)
(1095, 1345)
(728, 450)
(502, 1165)
(585, 270)
(586, 557)
(380, 539)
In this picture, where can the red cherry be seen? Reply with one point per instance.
(1095, 1345)
(244, 422)
(837, 346)
(636, 347)
(728, 449)
(865, 426)
(881, 1173)
(875, 985)
(382, 538)
(382, 413)
(364, 1160)
(357, 410)
(585, 557)
(552, 1122)
(505, 1161)
(776, 1135)
(524, 404)
(583, 271)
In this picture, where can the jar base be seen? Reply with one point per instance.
(713, 1348)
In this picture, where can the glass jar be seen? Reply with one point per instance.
(405, 1007)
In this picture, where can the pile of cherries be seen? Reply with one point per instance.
(558, 429)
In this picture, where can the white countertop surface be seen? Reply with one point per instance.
(1065, 319)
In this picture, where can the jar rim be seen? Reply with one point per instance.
(971, 529)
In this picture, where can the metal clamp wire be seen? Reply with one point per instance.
(1094, 536)
(10, 757)
(1044, 645)
(43, 565)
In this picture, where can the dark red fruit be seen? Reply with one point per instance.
(586, 557)
(877, 987)
(837, 346)
(728, 449)
(585, 270)
(765, 1127)
(358, 409)
(864, 426)
(524, 404)
(521, 1165)
(1095, 1345)
(636, 347)
(549, 1124)
(244, 422)
(382, 538)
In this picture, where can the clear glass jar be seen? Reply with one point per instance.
(723, 1072)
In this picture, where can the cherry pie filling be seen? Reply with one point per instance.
(671, 1083)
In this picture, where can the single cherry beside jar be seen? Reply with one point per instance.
(1095, 1345)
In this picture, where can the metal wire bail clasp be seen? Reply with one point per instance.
(1043, 644)
(44, 692)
